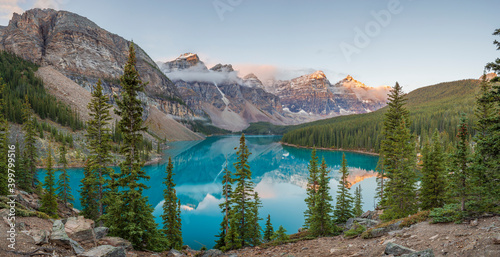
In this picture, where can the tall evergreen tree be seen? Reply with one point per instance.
(63, 188)
(3, 143)
(398, 150)
(88, 193)
(30, 153)
(242, 194)
(268, 233)
(358, 202)
(433, 185)
(461, 176)
(312, 186)
(321, 219)
(255, 236)
(225, 207)
(170, 216)
(381, 179)
(49, 198)
(22, 177)
(131, 216)
(99, 138)
(343, 206)
(233, 239)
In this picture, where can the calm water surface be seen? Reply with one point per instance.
(279, 172)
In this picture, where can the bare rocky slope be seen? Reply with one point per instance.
(80, 50)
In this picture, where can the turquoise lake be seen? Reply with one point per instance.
(279, 172)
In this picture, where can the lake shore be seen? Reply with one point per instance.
(332, 149)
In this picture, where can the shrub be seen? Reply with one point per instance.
(355, 230)
(449, 213)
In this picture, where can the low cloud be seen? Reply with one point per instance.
(199, 73)
(374, 93)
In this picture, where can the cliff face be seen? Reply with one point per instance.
(313, 94)
(231, 102)
(84, 52)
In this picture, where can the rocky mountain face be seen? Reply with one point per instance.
(230, 102)
(84, 52)
(314, 95)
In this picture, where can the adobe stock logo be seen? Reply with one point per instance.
(363, 36)
(223, 6)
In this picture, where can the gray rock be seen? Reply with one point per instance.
(100, 232)
(104, 251)
(116, 241)
(40, 236)
(212, 253)
(397, 250)
(174, 253)
(496, 238)
(59, 237)
(424, 253)
(80, 230)
(364, 222)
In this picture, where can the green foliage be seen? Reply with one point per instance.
(255, 236)
(460, 177)
(97, 178)
(403, 222)
(321, 218)
(495, 65)
(432, 107)
(433, 184)
(171, 211)
(88, 193)
(30, 153)
(129, 215)
(358, 202)
(343, 207)
(356, 230)
(63, 187)
(21, 82)
(233, 239)
(268, 233)
(398, 153)
(3, 143)
(448, 213)
(266, 128)
(280, 236)
(312, 184)
(206, 128)
(49, 198)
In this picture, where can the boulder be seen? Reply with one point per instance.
(496, 238)
(104, 251)
(80, 229)
(39, 236)
(174, 253)
(115, 241)
(368, 223)
(397, 250)
(212, 253)
(59, 237)
(100, 232)
(424, 253)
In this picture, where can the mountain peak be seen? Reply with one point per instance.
(318, 75)
(189, 56)
(350, 82)
(184, 61)
(222, 68)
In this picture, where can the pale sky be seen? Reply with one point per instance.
(417, 43)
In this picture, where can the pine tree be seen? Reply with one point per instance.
(343, 207)
(131, 216)
(170, 216)
(485, 179)
(398, 151)
(280, 235)
(312, 184)
(22, 177)
(358, 202)
(461, 176)
(88, 193)
(268, 233)
(3, 143)
(225, 207)
(233, 239)
(99, 138)
(49, 198)
(321, 219)
(381, 179)
(63, 188)
(255, 236)
(433, 185)
(242, 194)
(30, 153)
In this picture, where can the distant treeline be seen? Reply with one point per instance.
(433, 107)
(20, 80)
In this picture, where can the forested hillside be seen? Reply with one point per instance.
(20, 80)
(433, 107)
